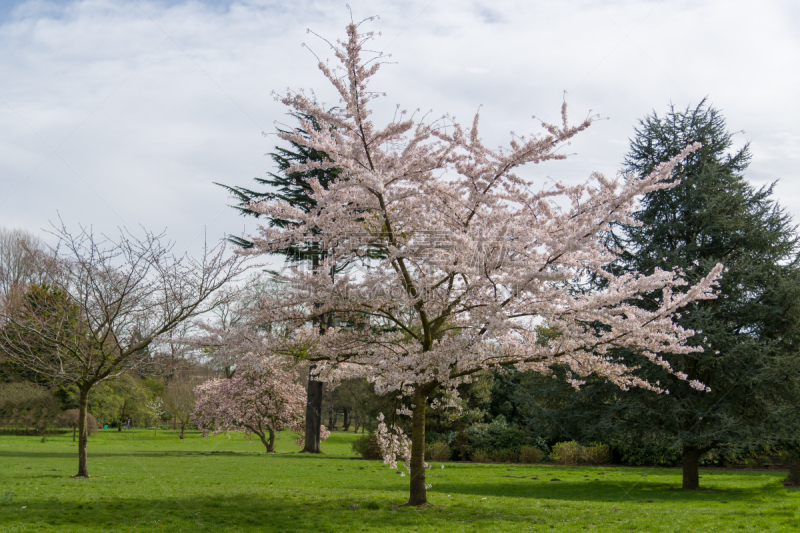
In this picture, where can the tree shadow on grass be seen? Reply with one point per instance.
(171, 453)
(246, 512)
(601, 491)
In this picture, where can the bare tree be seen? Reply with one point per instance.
(179, 398)
(104, 304)
(20, 262)
(236, 329)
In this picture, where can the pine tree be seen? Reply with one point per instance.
(749, 333)
(294, 188)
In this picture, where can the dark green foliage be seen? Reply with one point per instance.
(497, 435)
(367, 447)
(441, 425)
(749, 333)
(292, 187)
(791, 461)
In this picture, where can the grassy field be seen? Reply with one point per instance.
(229, 484)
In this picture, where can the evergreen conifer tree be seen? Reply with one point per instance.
(294, 188)
(749, 333)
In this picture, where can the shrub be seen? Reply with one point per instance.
(433, 436)
(70, 417)
(505, 456)
(752, 463)
(640, 450)
(437, 451)
(597, 454)
(791, 461)
(479, 456)
(497, 436)
(26, 405)
(572, 453)
(461, 450)
(529, 454)
(367, 447)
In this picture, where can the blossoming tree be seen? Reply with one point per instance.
(258, 399)
(471, 259)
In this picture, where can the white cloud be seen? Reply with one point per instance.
(150, 123)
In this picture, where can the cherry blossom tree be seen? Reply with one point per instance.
(258, 399)
(471, 257)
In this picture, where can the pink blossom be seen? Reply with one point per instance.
(258, 399)
(468, 256)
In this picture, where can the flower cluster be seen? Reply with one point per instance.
(394, 444)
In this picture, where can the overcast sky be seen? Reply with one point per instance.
(116, 113)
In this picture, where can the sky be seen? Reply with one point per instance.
(125, 113)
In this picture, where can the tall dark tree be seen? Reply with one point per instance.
(749, 333)
(294, 188)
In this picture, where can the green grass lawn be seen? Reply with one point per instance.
(229, 484)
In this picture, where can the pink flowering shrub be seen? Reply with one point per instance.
(259, 400)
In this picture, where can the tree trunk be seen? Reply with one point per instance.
(268, 444)
(74, 430)
(418, 494)
(313, 414)
(183, 426)
(346, 422)
(83, 403)
(691, 468)
(119, 426)
(175, 424)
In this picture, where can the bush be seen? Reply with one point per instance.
(479, 456)
(461, 450)
(70, 417)
(437, 451)
(791, 461)
(530, 455)
(367, 447)
(497, 436)
(504, 456)
(572, 453)
(433, 436)
(648, 449)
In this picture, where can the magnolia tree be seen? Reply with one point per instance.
(258, 399)
(468, 259)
